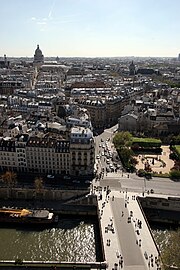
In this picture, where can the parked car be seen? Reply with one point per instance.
(67, 177)
(87, 182)
(50, 176)
(76, 181)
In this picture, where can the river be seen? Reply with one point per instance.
(74, 239)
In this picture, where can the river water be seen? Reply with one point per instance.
(74, 239)
(71, 240)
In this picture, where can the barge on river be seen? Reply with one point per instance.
(26, 216)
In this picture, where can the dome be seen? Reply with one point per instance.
(38, 56)
(38, 51)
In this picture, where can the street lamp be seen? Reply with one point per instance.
(144, 183)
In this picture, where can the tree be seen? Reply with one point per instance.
(38, 183)
(175, 175)
(122, 139)
(126, 155)
(9, 178)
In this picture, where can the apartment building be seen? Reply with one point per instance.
(50, 154)
(82, 151)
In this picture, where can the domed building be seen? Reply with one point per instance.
(38, 56)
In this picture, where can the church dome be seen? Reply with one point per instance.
(38, 51)
(38, 56)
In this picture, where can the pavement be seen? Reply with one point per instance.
(127, 239)
(157, 166)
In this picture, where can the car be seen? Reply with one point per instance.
(98, 157)
(102, 153)
(50, 176)
(152, 190)
(67, 177)
(100, 145)
(87, 182)
(107, 161)
(76, 181)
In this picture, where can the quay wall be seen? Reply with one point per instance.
(44, 194)
(8, 265)
(163, 210)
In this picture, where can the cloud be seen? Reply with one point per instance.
(44, 23)
(41, 23)
(51, 9)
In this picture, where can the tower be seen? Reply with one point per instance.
(132, 69)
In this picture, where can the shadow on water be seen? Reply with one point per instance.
(163, 226)
(66, 223)
(24, 227)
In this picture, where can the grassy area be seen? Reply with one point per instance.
(145, 140)
(177, 147)
(163, 175)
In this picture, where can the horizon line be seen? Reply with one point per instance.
(126, 56)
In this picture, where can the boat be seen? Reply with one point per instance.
(27, 216)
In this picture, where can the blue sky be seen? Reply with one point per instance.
(90, 27)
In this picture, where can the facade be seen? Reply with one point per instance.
(104, 112)
(82, 151)
(50, 154)
(8, 86)
(128, 122)
(97, 111)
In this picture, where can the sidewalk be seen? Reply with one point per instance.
(127, 241)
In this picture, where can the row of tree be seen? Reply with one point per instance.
(10, 180)
(123, 142)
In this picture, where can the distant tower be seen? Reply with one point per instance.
(132, 69)
(5, 58)
(38, 57)
(179, 57)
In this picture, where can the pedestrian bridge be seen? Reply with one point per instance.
(126, 236)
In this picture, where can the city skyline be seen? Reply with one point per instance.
(83, 28)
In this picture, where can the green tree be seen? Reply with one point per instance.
(126, 155)
(122, 139)
(174, 174)
(10, 179)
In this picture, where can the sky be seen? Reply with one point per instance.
(90, 28)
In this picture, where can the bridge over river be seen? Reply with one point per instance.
(126, 236)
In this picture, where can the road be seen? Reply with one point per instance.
(126, 234)
(159, 185)
(130, 181)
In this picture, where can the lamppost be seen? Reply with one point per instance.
(144, 183)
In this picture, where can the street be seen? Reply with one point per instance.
(116, 178)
